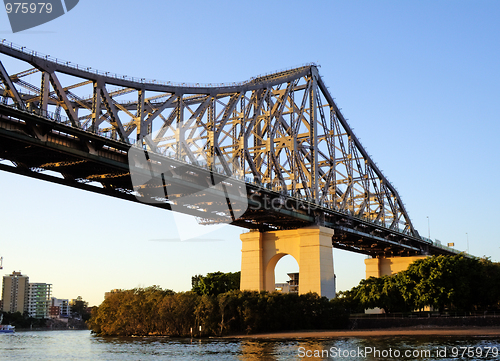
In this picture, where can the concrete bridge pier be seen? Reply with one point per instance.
(310, 246)
(386, 266)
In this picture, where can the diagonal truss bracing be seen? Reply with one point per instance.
(282, 131)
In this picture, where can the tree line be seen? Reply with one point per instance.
(154, 311)
(216, 304)
(454, 283)
(20, 320)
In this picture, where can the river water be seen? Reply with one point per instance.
(81, 345)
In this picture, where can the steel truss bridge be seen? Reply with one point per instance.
(280, 136)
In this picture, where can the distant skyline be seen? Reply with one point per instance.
(419, 83)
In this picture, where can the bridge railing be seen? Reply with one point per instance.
(438, 244)
(89, 69)
(61, 119)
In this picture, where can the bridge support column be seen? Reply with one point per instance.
(378, 267)
(310, 246)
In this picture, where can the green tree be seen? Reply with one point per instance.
(79, 308)
(442, 281)
(453, 282)
(216, 283)
(207, 315)
(489, 280)
(348, 301)
(391, 298)
(369, 292)
(177, 313)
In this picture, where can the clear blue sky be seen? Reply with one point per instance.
(418, 81)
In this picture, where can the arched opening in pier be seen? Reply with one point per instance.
(284, 272)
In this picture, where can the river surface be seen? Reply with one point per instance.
(81, 345)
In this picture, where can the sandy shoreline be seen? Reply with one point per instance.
(430, 331)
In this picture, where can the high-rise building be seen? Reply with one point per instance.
(39, 301)
(15, 292)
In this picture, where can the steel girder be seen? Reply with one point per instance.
(282, 131)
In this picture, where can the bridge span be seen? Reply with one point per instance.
(278, 141)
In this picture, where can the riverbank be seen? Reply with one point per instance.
(431, 321)
(386, 332)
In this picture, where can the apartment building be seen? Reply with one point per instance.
(62, 306)
(39, 300)
(15, 290)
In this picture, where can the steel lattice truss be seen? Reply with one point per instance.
(282, 130)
